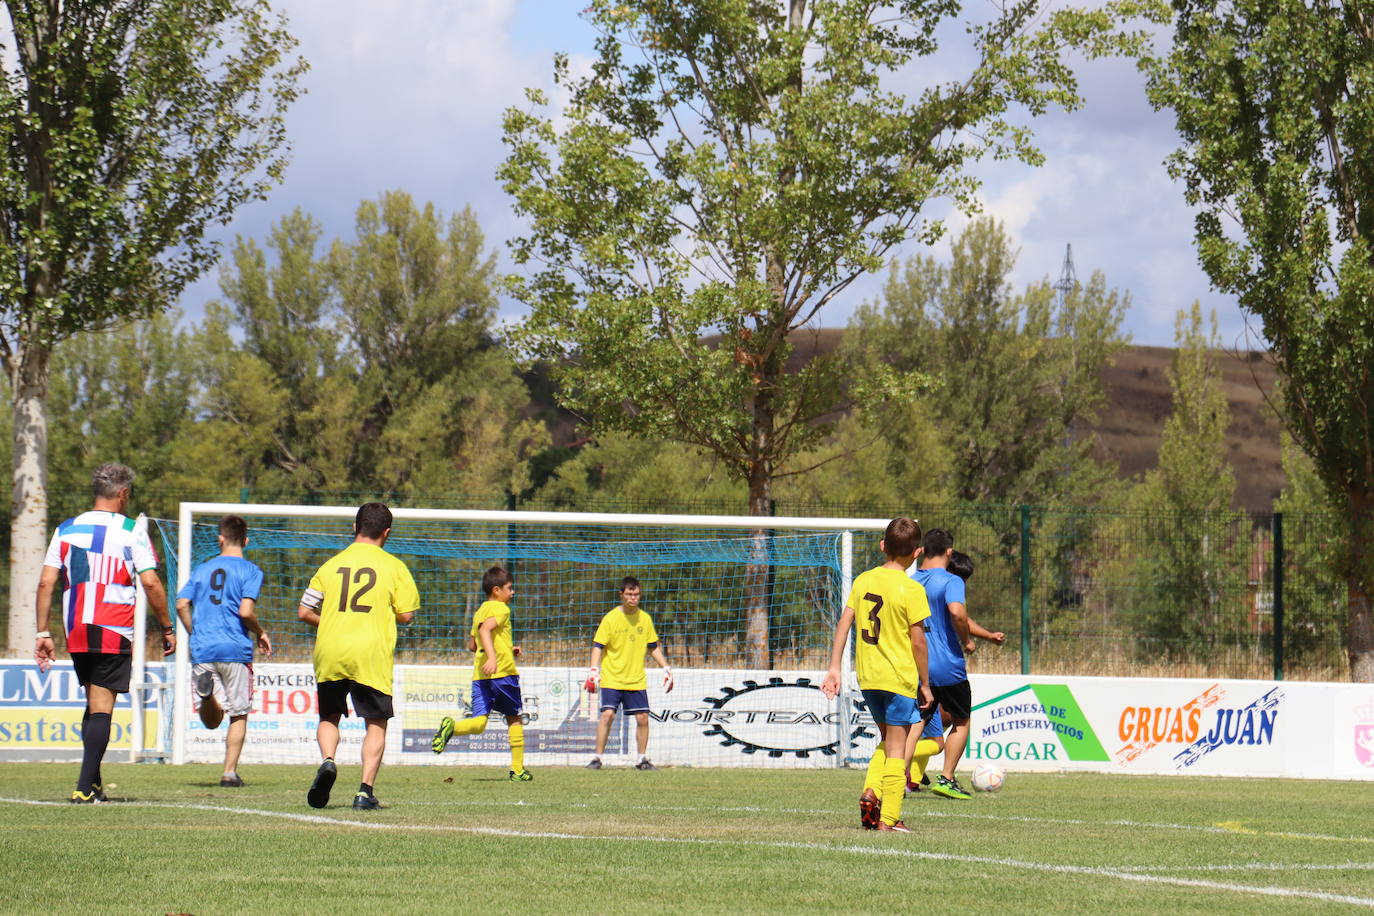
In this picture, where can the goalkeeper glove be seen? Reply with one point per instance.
(593, 679)
(667, 679)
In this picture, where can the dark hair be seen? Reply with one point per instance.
(961, 564)
(108, 479)
(372, 520)
(494, 578)
(901, 537)
(234, 530)
(628, 582)
(937, 542)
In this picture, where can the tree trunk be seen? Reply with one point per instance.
(29, 507)
(1360, 620)
(756, 579)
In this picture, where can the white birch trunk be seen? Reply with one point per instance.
(29, 506)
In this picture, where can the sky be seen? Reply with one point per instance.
(408, 94)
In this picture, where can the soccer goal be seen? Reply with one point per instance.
(744, 607)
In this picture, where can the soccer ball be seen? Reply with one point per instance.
(988, 778)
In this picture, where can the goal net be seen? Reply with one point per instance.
(744, 614)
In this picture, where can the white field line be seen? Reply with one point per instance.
(1091, 871)
(1252, 866)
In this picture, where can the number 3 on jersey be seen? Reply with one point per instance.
(872, 637)
(357, 576)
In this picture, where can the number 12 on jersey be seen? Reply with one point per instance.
(354, 577)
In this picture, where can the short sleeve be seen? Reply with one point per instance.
(144, 557)
(652, 634)
(853, 600)
(918, 607)
(53, 557)
(603, 631)
(252, 582)
(406, 599)
(954, 590)
(188, 591)
(317, 582)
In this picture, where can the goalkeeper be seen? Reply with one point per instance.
(495, 682)
(625, 634)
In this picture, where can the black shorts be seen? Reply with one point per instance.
(368, 702)
(103, 670)
(955, 699)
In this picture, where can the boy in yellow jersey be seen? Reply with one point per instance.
(355, 600)
(495, 682)
(890, 662)
(625, 634)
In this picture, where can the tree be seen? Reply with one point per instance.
(1019, 374)
(128, 128)
(1194, 563)
(1275, 118)
(725, 170)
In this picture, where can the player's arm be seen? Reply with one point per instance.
(310, 605)
(184, 613)
(958, 615)
(484, 637)
(594, 672)
(918, 652)
(157, 601)
(44, 649)
(248, 613)
(657, 654)
(831, 685)
(978, 631)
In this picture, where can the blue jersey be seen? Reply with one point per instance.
(945, 653)
(215, 590)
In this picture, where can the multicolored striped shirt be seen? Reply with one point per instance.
(99, 554)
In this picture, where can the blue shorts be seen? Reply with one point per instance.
(888, 708)
(629, 700)
(934, 728)
(500, 694)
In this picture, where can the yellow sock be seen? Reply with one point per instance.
(925, 749)
(873, 779)
(517, 747)
(894, 774)
(470, 726)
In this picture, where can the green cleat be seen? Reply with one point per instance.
(949, 788)
(442, 734)
(522, 776)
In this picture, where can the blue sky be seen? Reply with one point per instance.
(408, 94)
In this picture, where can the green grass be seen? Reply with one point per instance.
(679, 840)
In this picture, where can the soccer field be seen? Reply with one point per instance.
(462, 839)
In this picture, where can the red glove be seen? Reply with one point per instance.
(593, 679)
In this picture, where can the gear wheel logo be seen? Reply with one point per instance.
(777, 718)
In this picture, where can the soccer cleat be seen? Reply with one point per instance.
(99, 791)
(913, 787)
(870, 810)
(898, 827)
(522, 776)
(949, 788)
(442, 734)
(595, 764)
(205, 684)
(645, 765)
(364, 802)
(318, 796)
(232, 781)
(86, 798)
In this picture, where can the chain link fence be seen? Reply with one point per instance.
(1075, 591)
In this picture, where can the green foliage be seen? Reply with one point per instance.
(1019, 374)
(1272, 104)
(723, 171)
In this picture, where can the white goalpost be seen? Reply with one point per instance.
(708, 582)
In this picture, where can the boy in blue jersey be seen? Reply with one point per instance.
(217, 607)
(950, 635)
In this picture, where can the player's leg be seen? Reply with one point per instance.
(870, 798)
(234, 693)
(921, 745)
(636, 703)
(483, 697)
(894, 770)
(333, 703)
(954, 746)
(208, 691)
(374, 743)
(603, 732)
(95, 739)
(957, 700)
(376, 709)
(507, 700)
(233, 747)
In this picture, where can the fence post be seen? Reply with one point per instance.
(1277, 564)
(1025, 589)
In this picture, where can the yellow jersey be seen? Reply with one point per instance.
(501, 641)
(364, 589)
(887, 604)
(624, 638)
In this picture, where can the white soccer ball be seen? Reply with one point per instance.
(988, 778)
